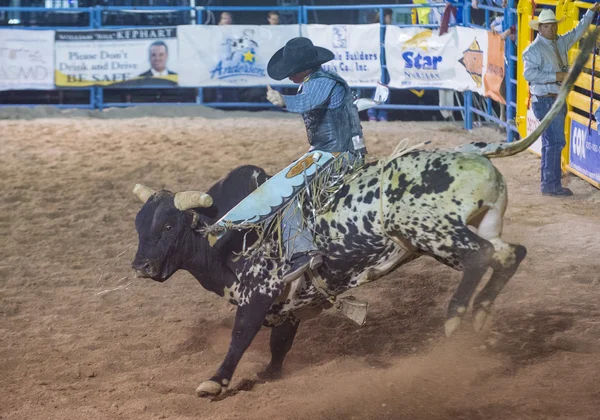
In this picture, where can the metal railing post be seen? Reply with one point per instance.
(509, 74)
(98, 17)
(92, 91)
(468, 98)
(99, 98)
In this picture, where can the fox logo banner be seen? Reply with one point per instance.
(584, 153)
(237, 55)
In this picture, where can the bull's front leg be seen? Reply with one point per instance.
(248, 320)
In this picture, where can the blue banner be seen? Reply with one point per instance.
(584, 153)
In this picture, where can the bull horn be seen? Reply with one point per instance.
(191, 199)
(142, 192)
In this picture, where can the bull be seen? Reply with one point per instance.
(448, 205)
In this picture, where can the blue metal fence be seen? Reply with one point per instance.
(179, 12)
(509, 14)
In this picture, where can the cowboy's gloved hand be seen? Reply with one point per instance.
(275, 97)
(595, 7)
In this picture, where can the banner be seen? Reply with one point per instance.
(356, 48)
(26, 59)
(230, 55)
(117, 58)
(584, 155)
(457, 60)
(418, 57)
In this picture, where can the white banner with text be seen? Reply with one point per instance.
(230, 55)
(26, 59)
(457, 60)
(356, 47)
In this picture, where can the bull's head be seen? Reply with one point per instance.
(164, 225)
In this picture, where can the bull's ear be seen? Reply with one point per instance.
(191, 199)
(142, 192)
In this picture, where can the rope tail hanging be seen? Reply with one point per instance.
(593, 79)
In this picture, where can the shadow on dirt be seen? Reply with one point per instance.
(526, 338)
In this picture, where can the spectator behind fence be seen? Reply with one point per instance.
(453, 14)
(387, 17)
(226, 18)
(273, 18)
(497, 21)
(423, 12)
(433, 16)
(226, 95)
(450, 15)
(546, 66)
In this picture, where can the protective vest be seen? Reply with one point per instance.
(336, 129)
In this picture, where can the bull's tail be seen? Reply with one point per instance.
(494, 150)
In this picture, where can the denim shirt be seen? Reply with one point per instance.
(541, 62)
(312, 93)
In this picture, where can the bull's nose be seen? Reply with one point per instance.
(142, 268)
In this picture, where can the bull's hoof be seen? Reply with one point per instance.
(208, 389)
(269, 374)
(481, 315)
(451, 325)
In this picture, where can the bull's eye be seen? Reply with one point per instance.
(168, 227)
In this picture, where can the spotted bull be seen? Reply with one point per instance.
(445, 204)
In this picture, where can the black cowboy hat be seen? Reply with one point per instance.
(299, 54)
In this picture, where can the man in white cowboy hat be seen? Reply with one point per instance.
(546, 66)
(326, 104)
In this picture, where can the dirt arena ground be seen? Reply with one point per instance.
(81, 339)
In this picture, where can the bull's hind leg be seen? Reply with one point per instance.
(475, 254)
(282, 338)
(505, 261)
